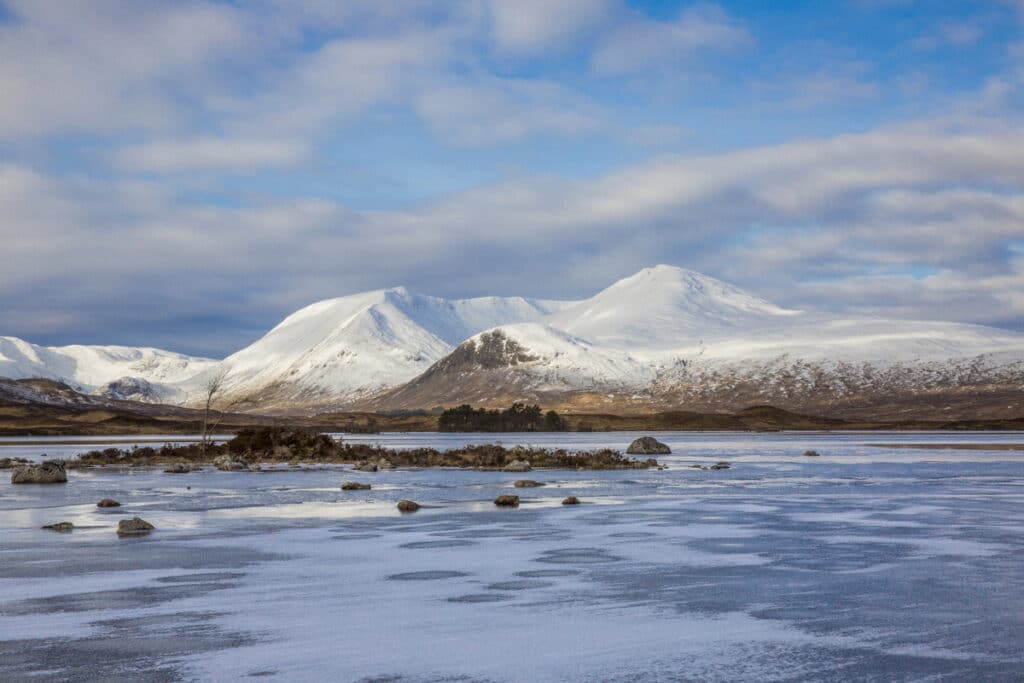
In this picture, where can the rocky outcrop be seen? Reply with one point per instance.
(507, 501)
(229, 463)
(355, 486)
(648, 445)
(527, 483)
(408, 506)
(108, 503)
(570, 500)
(8, 463)
(136, 526)
(63, 527)
(48, 472)
(518, 466)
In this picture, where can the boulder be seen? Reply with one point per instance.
(178, 468)
(812, 454)
(507, 501)
(408, 506)
(355, 486)
(648, 445)
(108, 503)
(571, 500)
(60, 526)
(720, 466)
(228, 463)
(385, 464)
(49, 472)
(527, 483)
(365, 467)
(518, 466)
(135, 526)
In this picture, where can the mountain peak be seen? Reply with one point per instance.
(666, 305)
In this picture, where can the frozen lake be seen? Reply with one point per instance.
(863, 564)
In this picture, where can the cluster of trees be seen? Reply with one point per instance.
(517, 418)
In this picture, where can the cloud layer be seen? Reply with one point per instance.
(185, 174)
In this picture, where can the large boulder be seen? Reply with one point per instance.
(355, 486)
(571, 500)
(518, 466)
(648, 445)
(507, 501)
(108, 503)
(48, 472)
(136, 526)
(228, 463)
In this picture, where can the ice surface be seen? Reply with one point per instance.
(862, 564)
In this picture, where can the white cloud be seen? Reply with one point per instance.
(641, 43)
(175, 156)
(537, 26)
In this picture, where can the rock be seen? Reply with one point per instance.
(8, 463)
(228, 463)
(179, 468)
(355, 486)
(648, 445)
(49, 472)
(385, 464)
(518, 466)
(527, 483)
(812, 454)
(60, 526)
(135, 526)
(365, 467)
(408, 506)
(507, 501)
(108, 503)
(571, 500)
(720, 466)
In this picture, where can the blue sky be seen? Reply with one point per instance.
(185, 174)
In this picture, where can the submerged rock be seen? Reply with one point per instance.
(527, 483)
(48, 472)
(571, 500)
(507, 501)
(720, 466)
(355, 486)
(108, 503)
(60, 526)
(648, 445)
(136, 526)
(812, 454)
(408, 506)
(518, 466)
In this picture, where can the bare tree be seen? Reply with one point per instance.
(211, 416)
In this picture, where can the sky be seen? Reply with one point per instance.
(185, 174)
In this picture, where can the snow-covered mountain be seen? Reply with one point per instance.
(664, 338)
(338, 350)
(668, 338)
(118, 372)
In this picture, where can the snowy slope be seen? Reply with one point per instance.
(363, 343)
(667, 336)
(91, 369)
